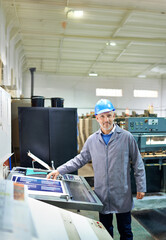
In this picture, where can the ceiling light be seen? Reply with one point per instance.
(93, 74)
(112, 44)
(78, 13)
(73, 13)
(142, 76)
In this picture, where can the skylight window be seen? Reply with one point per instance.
(146, 93)
(105, 92)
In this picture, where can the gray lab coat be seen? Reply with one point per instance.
(111, 164)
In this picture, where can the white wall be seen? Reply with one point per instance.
(5, 123)
(11, 53)
(79, 92)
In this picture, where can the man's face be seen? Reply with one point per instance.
(106, 121)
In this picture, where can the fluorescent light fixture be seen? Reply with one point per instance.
(142, 76)
(73, 13)
(108, 92)
(78, 14)
(112, 44)
(93, 74)
(145, 93)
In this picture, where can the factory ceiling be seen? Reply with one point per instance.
(113, 38)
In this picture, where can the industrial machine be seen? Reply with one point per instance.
(50, 133)
(55, 223)
(23, 217)
(150, 135)
(19, 197)
(68, 191)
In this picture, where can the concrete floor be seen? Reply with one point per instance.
(149, 202)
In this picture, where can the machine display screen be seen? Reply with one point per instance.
(152, 121)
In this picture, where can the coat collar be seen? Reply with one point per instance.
(117, 130)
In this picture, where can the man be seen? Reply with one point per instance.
(111, 150)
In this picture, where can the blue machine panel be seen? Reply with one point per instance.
(149, 132)
(145, 125)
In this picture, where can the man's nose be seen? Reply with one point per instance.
(106, 118)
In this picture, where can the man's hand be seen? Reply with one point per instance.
(140, 195)
(53, 175)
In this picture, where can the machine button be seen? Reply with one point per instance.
(71, 177)
(131, 124)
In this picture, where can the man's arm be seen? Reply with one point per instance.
(139, 169)
(73, 164)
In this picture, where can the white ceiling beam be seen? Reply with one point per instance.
(122, 23)
(91, 38)
(157, 6)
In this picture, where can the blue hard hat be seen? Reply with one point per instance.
(103, 105)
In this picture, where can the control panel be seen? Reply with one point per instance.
(67, 191)
(69, 177)
(145, 125)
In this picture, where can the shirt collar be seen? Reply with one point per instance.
(110, 133)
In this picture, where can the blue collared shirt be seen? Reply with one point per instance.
(106, 137)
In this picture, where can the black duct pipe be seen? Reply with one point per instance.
(36, 101)
(32, 70)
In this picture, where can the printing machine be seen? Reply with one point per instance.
(68, 191)
(45, 221)
(23, 217)
(150, 135)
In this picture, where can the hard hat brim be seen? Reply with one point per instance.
(105, 110)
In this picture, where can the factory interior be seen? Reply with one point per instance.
(58, 58)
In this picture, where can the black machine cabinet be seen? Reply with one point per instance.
(49, 133)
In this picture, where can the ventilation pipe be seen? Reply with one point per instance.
(36, 101)
(32, 70)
